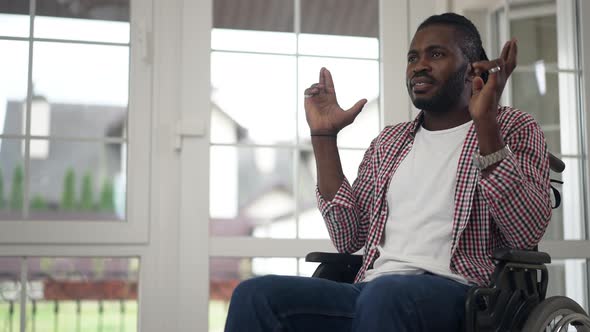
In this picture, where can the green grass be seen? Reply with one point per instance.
(89, 319)
(67, 319)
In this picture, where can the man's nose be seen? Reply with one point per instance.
(421, 65)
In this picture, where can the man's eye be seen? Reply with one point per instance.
(436, 54)
(411, 58)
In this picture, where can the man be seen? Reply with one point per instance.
(432, 200)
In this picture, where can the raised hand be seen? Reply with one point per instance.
(485, 97)
(324, 115)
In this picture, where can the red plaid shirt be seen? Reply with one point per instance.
(510, 207)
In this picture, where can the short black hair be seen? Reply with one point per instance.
(471, 44)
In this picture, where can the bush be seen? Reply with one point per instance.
(17, 193)
(68, 201)
(38, 203)
(87, 199)
(107, 197)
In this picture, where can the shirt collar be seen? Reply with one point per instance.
(416, 124)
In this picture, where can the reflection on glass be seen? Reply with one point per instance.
(78, 181)
(12, 179)
(259, 15)
(568, 278)
(537, 39)
(81, 29)
(340, 17)
(251, 192)
(227, 273)
(82, 294)
(86, 87)
(10, 268)
(353, 80)
(255, 95)
(13, 86)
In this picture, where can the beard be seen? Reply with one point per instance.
(445, 97)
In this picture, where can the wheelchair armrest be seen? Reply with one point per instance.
(521, 256)
(335, 266)
(334, 258)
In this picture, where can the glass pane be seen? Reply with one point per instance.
(340, 17)
(253, 41)
(537, 39)
(568, 278)
(539, 94)
(12, 179)
(353, 80)
(262, 15)
(82, 294)
(14, 18)
(13, 86)
(10, 268)
(82, 29)
(86, 87)
(356, 47)
(77, 180)
(227, 273)
(251, 192)
(311, 223)
(249, 93)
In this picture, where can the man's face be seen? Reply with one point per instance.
(437, 70)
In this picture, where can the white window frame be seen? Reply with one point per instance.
(135, 228)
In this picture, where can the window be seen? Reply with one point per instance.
(69, 108)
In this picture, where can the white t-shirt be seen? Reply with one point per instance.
(421, 206)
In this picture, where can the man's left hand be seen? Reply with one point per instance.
(485, 97)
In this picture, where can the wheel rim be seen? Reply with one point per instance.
(552, 323)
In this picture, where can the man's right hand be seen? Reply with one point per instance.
(324, 115)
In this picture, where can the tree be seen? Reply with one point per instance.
(87, 199)
(107, 197)
(68, 200)
(2, 200)
(17, 193)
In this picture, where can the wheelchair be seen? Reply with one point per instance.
(514, 300)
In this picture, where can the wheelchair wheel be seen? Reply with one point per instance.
(553, 313)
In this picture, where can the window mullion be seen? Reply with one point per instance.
(30, 92)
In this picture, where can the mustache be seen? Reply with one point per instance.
(422, 74)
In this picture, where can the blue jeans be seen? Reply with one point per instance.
(424, 302)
